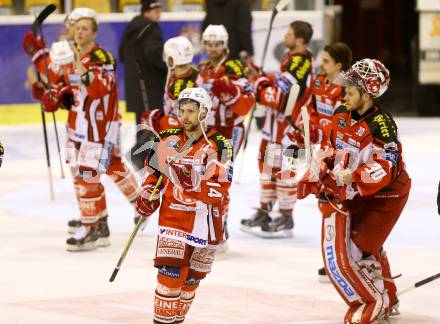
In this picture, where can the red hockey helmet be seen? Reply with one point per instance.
(370, 75)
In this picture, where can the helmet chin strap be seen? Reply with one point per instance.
(202, 127)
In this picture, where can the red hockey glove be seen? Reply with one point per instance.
(225, 91)
(296, 137)
(268, 97)
(67, 97)
(150, 119)
(38, 89)
(50, 100)
(32, 44)
(314, 133)
(306, 187)
(143, 206)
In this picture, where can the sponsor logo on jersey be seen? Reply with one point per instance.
(173, 272)
(324, 108)
(342, 122)
(391, 156)
(330, 233)
(335, 273)
(172, 232)
(317, 83)
(353, 142)
(380, 121)
(360, 131)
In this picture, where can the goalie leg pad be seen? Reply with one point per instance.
(91, 199)
(357, 279)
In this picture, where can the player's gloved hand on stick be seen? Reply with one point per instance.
(143, 205)
(67, 97)
(50, 100)
(32, 44)
(38, 89)
(225, 91)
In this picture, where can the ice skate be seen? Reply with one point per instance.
(103, 233)
(85, 239)
(73, 225)
(280, 227)
(253, 225)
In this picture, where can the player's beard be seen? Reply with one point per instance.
(190, 127)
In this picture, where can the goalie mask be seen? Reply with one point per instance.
(179, 50)
(216, 33)
(370, 75)
(197, 95)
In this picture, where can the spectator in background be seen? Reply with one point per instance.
(235, 15)
(153, 68)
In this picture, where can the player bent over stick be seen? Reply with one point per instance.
(363, 177)
(194, 190)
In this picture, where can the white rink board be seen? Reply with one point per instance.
(256, 281)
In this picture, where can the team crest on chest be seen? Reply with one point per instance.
(342, 122)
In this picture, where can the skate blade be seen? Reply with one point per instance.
(84, 247)
(276, 235)
(72, 230)
(103, 242)
(255, 230)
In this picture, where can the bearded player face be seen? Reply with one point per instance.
(189, 115)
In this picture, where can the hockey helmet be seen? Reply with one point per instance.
(215, 33)
(179, 49)
(370, 75)
(80, 13)
(198, 95)
(61, 54)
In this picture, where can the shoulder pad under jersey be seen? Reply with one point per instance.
(180, 84)
(224, 147)
(102, 56)
(382, 126)
(170, 131)
(234, 69)
(299, 66)
(342, 109)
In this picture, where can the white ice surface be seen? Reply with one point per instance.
(256, 281)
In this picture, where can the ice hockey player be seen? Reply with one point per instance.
(272, 92)
(363, 177)
(194, 189)
(226, 81)
(178, 55)
(93, 127)
(327, 95)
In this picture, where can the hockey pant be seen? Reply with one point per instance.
(275, 184)
(91, 194)
(181, 267)
(353, 255)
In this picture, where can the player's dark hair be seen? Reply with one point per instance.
(340, 53)
(302, 29)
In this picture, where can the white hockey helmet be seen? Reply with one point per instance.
(61, 53)
(79, 13)
(215, 33)
(199, 95)
(370, 75)
(179, 49)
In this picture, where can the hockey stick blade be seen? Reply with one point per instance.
(419, 283)
(42, 17)
(281, 5)
(291, 101)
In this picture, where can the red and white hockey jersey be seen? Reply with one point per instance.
(193, 217)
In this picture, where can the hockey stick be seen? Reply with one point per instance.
(306, 121)
(278, 7)
(182, 152)
(419, 283)
(37, 30)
